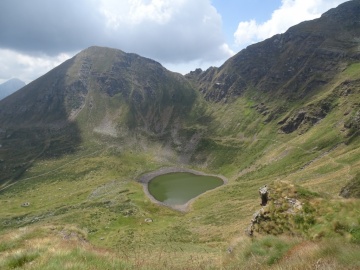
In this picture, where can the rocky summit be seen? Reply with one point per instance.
(284, 113)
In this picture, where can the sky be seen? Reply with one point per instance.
(38, 35)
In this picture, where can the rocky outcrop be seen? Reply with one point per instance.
(277, 213)
(301, 119)
(257, 218)
(352, 188)
(259, 215)
(306, 117)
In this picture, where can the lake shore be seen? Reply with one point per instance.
(147, 177)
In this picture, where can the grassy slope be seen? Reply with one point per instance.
(86, 209)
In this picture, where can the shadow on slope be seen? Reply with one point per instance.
(34, 123)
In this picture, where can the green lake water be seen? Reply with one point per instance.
(179, 188)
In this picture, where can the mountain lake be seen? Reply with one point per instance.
(180, 187)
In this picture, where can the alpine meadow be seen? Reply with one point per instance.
(76, 143)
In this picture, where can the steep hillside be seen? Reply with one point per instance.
(294, 64)
(285, 72)
(288, 84)
(100, 91)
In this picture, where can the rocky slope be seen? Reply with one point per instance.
(295, 66)
(57, 97)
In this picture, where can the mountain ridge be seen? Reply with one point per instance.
(283, 113)
(265, 66)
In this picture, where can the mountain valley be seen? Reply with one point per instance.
(284, 113)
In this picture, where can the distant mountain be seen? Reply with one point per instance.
(9, 87)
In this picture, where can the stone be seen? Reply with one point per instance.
(264, 195)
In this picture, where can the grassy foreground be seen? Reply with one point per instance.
(85, 210)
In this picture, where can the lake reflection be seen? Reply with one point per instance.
(178, 188)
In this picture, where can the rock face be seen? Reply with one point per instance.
(305, 118)
(257, 217)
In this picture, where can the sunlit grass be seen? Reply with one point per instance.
(86, 210)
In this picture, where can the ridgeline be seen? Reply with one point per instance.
(284, 113)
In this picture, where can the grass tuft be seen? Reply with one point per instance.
(20, 259)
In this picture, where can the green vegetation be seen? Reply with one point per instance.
(20, 259)
(72, 151)
(270, 249)
(87, 209)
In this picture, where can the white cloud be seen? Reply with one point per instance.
(138, 11)
(26, 67)
(169, 31)
(166, 30)
(290, 13)
(186, 67)
(226, 49)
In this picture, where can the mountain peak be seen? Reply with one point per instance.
(10, 86)
(345, 11)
